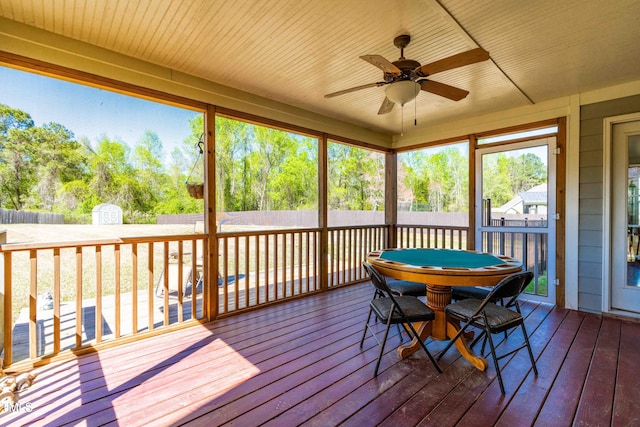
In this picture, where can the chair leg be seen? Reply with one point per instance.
(526, 340)
(453, 340)
(495, 361)
(384, 341)
(366, 326)
(424, 347)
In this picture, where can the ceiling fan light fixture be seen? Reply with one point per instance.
(403, 91)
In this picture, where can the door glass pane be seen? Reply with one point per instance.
(514, 188)
(633, 217)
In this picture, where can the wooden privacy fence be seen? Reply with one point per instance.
(9, 216)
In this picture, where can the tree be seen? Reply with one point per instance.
(35, 161)
(60, 159)
(355, 178)
(434, 180)
(147, 161)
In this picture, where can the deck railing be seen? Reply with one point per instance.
(261, 267)
(77, 296)
(530, 246)
(348, 247)
(431, 236)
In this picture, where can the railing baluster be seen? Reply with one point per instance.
(165, 283)
(150, 283)
(247, 281)
(285, 286)
(194, 277)
(275, 267)
(292, 250)
(117, 290)
(98, 317)
(79, 314)
(181, 281)
(300, 262)
(56, 300)
(308, 259)
(33, 305)
(267, 264)
(134, 287)
(7, 309)
(236, 272)
(225, 273)
(258, 269)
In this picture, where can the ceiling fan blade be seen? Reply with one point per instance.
(455, 61)
(382, 63)
(353, 89)
(445, 90)
(387, 106)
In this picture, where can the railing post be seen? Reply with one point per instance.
(391, 198)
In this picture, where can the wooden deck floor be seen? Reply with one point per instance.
(299, 363)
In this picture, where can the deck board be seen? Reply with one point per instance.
(299, 363)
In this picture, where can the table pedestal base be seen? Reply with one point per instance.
(424, 331)
(438, 297)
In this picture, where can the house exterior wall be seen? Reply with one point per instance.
(590, 252)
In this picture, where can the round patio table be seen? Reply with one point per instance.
(439, 270)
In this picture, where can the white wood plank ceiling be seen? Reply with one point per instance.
(296, 51)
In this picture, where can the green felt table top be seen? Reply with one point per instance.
(444, 258)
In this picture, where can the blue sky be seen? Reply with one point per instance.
(91, 112)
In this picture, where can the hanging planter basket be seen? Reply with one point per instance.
(196, 190)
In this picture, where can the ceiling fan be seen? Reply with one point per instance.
(406, 77)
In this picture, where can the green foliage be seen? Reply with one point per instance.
(355, 178)
(261, 168)
(505, 176)
(257, 168)
(44, 168)
(433, 181)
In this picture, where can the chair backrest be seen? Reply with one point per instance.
(380, 283)
(510, 287)
(377, 279)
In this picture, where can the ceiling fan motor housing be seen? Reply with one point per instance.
(407, 66)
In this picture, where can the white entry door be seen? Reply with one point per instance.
(625, 221)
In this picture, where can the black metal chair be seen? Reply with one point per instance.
(403, 288)
(395, 309)
(492, 318)
(458, 293)
(406, 288)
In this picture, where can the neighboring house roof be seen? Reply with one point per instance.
(534, 196)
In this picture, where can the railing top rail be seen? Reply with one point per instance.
(227, 234)
(448, 227)
(348, 227)
(17, 247)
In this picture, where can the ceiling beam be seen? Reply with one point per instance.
(444, 12)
